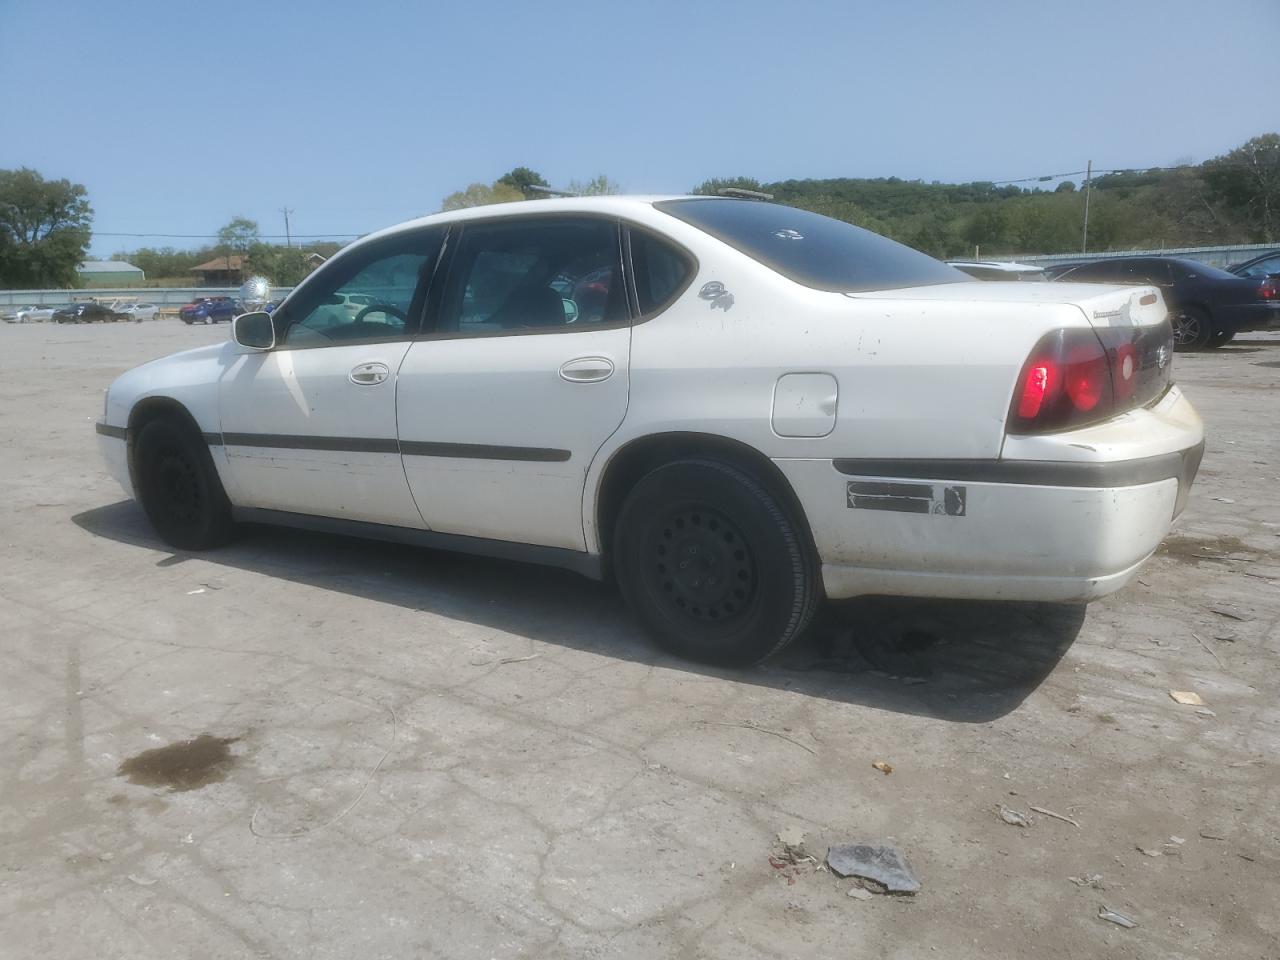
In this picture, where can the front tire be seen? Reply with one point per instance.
(179, 487)
(711, 563)
(1192, 328)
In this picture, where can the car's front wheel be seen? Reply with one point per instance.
(1192, 328)
(179, 487)
(712, 564)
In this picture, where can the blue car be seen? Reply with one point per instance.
(208, 310)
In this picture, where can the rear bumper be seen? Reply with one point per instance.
(1249, 316)
(1070, 527)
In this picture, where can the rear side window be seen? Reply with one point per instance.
(662, 271)
(811, 249)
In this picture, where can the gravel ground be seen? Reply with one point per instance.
(377, 751)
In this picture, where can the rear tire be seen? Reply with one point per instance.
(179, 487)
(712, 565)
(1192, 328)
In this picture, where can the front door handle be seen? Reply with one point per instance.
(368, 374)
(587, 370)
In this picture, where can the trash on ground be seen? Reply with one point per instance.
(1013, 817)
(1089, 880)
(859, 893)
(1188, 697)
(884, 864)
(1178, 840)
(1057, 816)
(883, 767)
(1147, 851)
(1117, 918)
(192, 593)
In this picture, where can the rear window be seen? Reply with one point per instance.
(811, 249)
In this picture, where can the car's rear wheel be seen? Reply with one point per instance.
(712, 564)
(179, 487)
(1192, 328)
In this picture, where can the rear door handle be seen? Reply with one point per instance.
(587, 369)
(368, 374)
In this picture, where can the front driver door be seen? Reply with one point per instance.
(310, 426)
(525, 375)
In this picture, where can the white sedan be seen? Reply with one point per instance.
(733, 408)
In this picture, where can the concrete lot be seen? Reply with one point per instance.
(413, 754)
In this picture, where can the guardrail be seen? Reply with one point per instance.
(160, 296)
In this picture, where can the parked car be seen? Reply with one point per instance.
(32, 314)
(1207, 306)
(1266, 265)
(87, 312)
(15, 313)
(998, 269)
(771, 406)
(208, 310)
(137, 311)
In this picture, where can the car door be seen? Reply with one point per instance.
(310, 426)
(523, 376)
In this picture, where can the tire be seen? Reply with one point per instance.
(711, 564)
(179, 487)
(1221, 338)
(1192, 328)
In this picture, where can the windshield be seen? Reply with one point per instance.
(811, 249)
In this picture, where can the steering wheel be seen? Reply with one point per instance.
(386, 308)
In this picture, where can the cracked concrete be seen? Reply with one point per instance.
(444, 756)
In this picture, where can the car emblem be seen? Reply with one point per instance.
(788, 234)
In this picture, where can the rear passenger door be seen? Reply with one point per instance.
(503, 404)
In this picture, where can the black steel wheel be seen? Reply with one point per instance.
(1192, 328)
(712, 564)
(179, 487)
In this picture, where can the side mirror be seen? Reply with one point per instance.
(254, 330)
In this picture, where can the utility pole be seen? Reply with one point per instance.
(288, 240)
(1088, 183)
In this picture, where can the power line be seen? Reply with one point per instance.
(214, 236)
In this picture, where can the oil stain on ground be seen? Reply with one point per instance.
(185, 765)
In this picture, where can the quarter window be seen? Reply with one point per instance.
(366, 295)
(661, 271)
(545, 273)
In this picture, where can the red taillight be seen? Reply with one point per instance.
(1079, 376)
(1035, 387)
(1270, 289)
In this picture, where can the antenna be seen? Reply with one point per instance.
(550, 191)
(744, 194)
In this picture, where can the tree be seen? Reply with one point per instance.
(479, 194)
(238, 235)
(1066, 186)
(522, 178)
(595, 187)
(1247, 181)
(45, 227)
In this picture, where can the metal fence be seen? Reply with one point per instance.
(1219, 256)
(160, 296)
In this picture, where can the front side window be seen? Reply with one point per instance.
(552, 273)
(366, 295)
(811, 249)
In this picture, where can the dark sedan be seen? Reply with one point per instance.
(1207, 306)
(87, 313)
(1267, 265)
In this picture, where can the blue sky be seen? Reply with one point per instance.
(178, 116)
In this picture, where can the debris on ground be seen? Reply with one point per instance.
(792, 840)
(1089, 880)
(1231, 613)
(1057, 816)
(1147, 851)
(859, 893)
(1015, 818)
(1205, 712)
(883, 864)
(1117, 918)
(1210, 835)
(1178, 840)
(883, 767)
(1187, 697)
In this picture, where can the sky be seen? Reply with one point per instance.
(178, 116)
